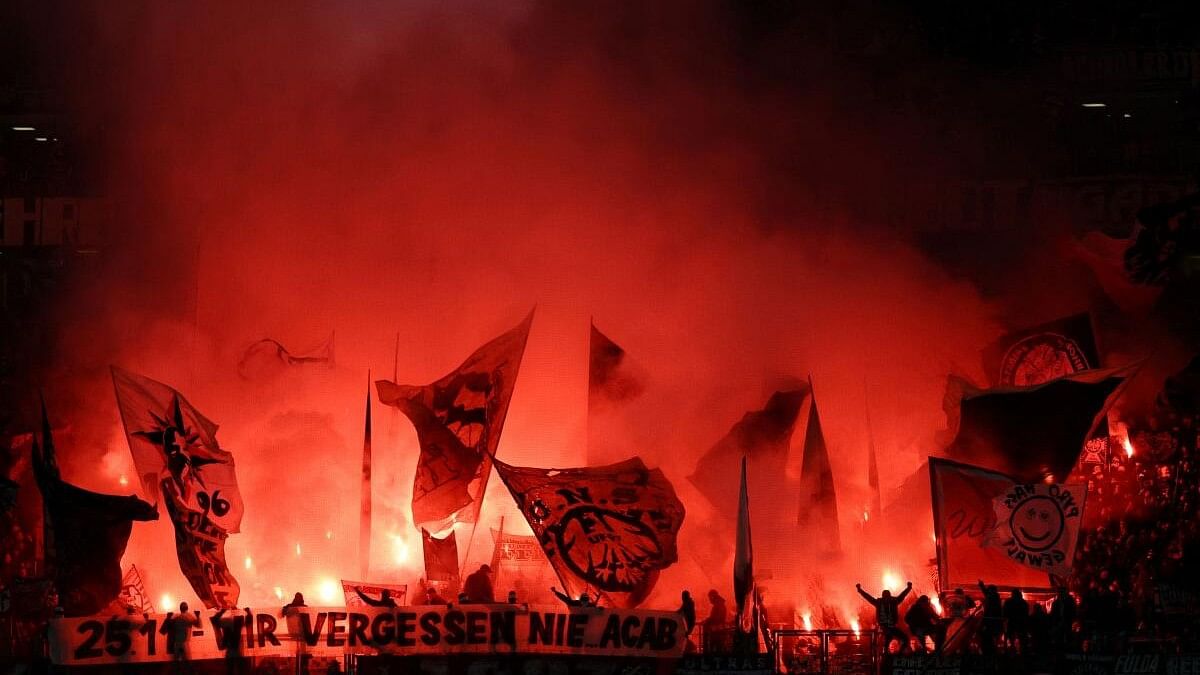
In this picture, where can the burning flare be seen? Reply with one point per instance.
(891, 581)
(328, 590)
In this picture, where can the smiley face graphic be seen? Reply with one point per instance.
(1037, 523)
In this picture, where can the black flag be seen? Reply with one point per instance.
(441, 556)
(86, 534)
(611, 380)
(1033, 432)
(818, 515)
(458, 420)
(762, 436)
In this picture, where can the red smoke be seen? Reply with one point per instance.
(435, 172)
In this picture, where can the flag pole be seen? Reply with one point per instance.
(495, 557)
(364, 522)
(872, 463)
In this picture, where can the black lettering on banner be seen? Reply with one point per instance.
(476, 628)
(266, 630)
(117, 637)
(628, 626)
(666, 634)
(335, 629)
(358, 629)
(541, 628)
(504, 628)
(575, 627)
(88, 650)
(560, 624)
(405, 625)
(429, 628)
(147, 629)
(611, 637)
(308, 633)
(455, 635)
(383, 629)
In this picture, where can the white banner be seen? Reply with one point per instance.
(399, 592)
(1037, 525)
(417, 630)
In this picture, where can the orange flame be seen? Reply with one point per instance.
(807, 619)
(856, 628)
(1128, 446)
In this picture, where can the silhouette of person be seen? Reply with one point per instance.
(478, 585)
(291, 613)
(718, 613)
(178, 629)
(687, 609)
(1062, 617)
(1016, 621)
(887, 614)
(512, 597)
(582, 601)
(432, 597)
(923, 621)
(993, 619)
(385, 598)
(229, 636)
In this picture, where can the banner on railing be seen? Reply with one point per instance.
(418, 630)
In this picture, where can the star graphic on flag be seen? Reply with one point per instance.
(179, 442)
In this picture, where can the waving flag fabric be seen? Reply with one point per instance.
(607, 530)
(178, 459)
(86, 534)
(458, 420)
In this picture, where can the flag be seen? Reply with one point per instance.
(818, 515)
(519, 560)
(86, 534)
(177, 457)
(873, 482)
(1037, 524)
(268, 357)
(607, 530)
(133, 591)
(372, 590)
(1033, 432)
(441, 556)
(458, 420)
(743, 562)
(364, 514)
(762, 436)
(611, 379)
(1042, 353)
(965, 522)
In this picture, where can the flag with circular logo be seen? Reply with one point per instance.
(1037, 524)
(607, 530)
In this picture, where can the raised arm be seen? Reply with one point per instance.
(866, 596)
(367, 599)
(562, 596)
(904, 593)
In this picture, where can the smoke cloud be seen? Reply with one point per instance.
(422, 175)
